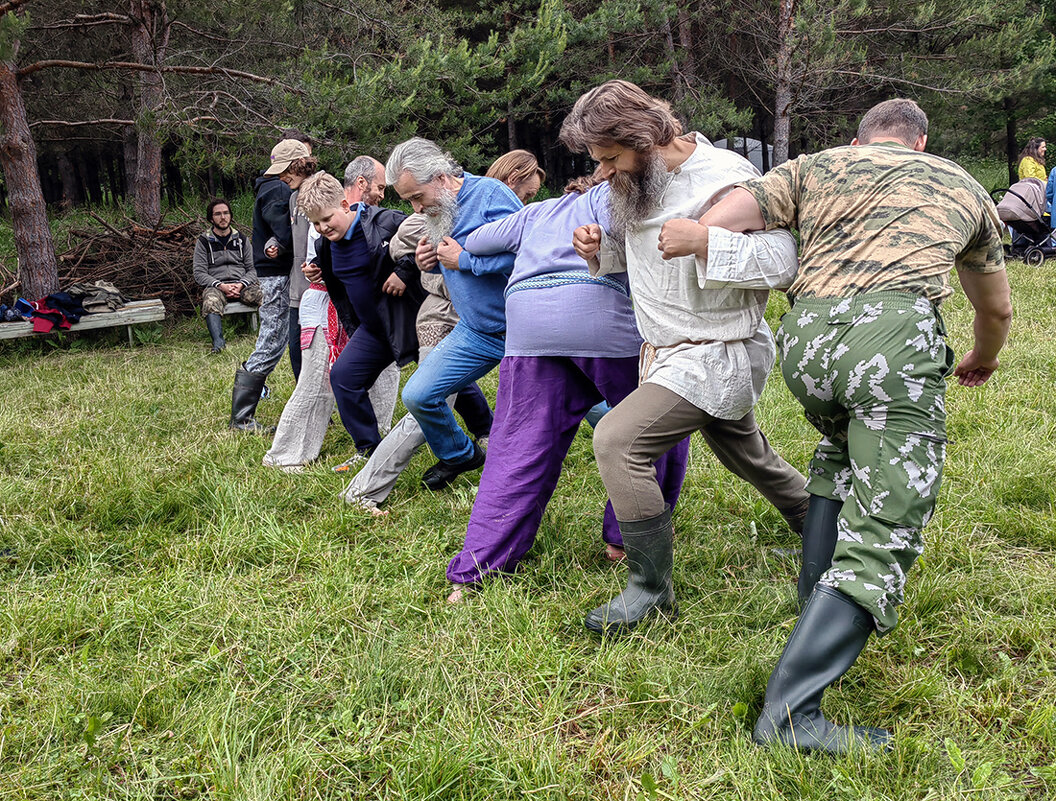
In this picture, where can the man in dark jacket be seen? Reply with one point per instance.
(223, 267)
(272, 259)
(376, 298)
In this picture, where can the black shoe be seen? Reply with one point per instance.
(827, 639)
(649, 546)
(244, 398)
(819, 542)
(443, 472)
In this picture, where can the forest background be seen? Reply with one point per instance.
(155, 101)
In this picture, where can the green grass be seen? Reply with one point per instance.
(178, 622)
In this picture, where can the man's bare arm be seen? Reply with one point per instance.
(738, 212)
(991, 298)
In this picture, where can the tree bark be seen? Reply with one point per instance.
(150, 41)
(37, 269)
(685, 41)
(677, 85)
(783, 83)
(511, 127)
(71, 190)
(1011, 149)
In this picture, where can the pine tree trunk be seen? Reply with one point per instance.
(511, 127)
(1011, 149)
(685, 41)
(677, 85)
(783, 84)
(150, 38)
(37, 270)
(71, 190)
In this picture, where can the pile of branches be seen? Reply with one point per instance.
(142, 262)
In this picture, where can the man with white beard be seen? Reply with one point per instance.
(707, 350)
(455, 204)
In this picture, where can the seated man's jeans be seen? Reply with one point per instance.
(461, 358)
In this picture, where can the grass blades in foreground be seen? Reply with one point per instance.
(178, 622)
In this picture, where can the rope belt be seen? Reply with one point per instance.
(563, 279)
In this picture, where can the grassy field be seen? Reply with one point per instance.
(178, 622)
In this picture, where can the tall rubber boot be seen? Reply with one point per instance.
(819, 541)
(215, 324)
(827, 639)
(649, 547)
(244, 398)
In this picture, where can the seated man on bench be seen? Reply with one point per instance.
(223, 266)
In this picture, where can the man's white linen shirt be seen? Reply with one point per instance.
(704, 317)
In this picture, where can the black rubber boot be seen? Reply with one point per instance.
(649, 547)
(215, 324)
(819, 541)
(244, 398)
(829, 635)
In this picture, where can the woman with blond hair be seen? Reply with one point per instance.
(520, 171)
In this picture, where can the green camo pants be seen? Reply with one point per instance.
(869, 372)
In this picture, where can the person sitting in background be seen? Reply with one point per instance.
(1032, 159)
(520, 171)
(223, 266)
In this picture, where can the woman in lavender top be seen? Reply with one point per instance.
(571, 342)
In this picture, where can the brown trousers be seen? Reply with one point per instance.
(652, 420)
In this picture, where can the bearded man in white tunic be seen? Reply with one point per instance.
(707, 351)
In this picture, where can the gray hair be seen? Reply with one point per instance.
(423, 159)
(360, 167)
(901, 118)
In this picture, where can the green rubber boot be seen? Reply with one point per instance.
(649, 547)
(827, 639)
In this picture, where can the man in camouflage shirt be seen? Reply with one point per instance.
(864, 350)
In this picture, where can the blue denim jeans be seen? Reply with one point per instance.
(461, 358)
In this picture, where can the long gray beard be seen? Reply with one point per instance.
(441, 224)
(635, 196)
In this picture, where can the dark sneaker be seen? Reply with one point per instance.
(443, 473)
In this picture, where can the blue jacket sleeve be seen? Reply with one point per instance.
(1050, 192)
(500, 205)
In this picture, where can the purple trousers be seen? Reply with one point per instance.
(540, 404)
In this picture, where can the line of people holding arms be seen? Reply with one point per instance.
(644, 287)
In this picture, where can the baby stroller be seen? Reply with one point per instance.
(1022, 208)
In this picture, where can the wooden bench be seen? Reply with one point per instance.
(138, 311)
(234, 307)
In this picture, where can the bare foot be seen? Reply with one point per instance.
(369, 506)
(614, 553)
(456, 596)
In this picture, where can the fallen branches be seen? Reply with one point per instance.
(142, 262)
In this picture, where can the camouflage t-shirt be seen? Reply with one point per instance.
(880, 217)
